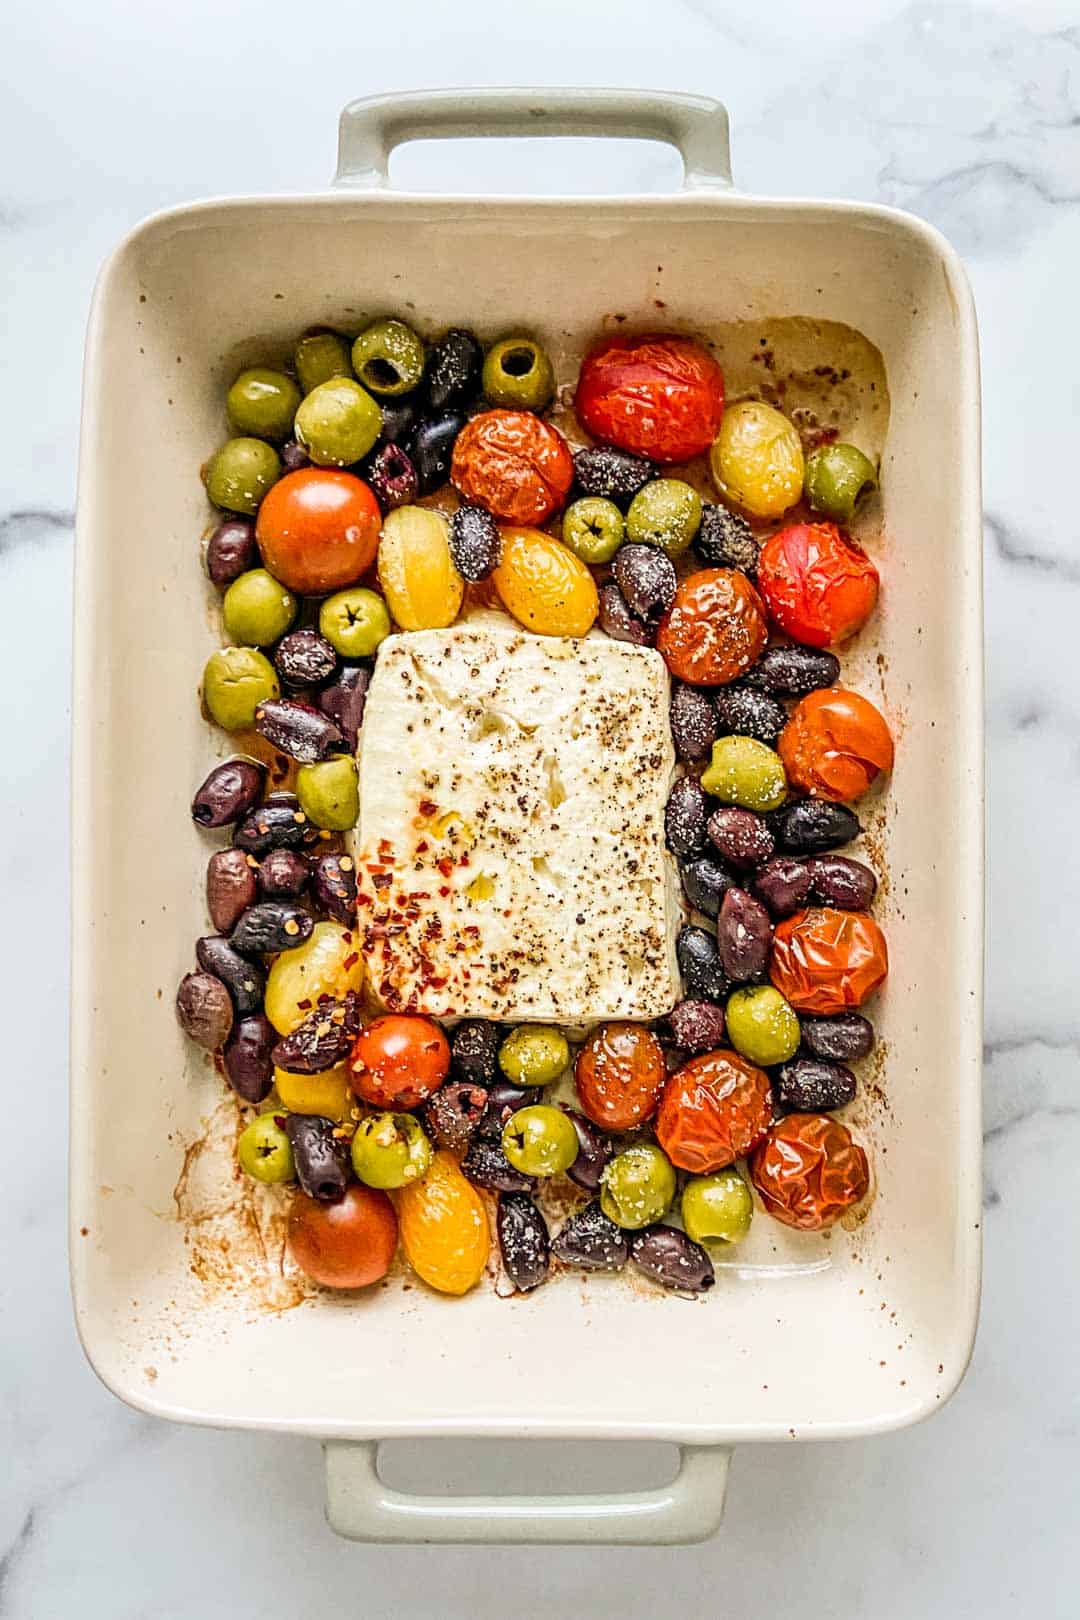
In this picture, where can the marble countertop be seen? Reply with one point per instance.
(966, 114)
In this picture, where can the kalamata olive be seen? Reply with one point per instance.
(432, 450)
(812, 826)
(231, 551)
(699, 964)
(836, 880)
(204, 1008)
(392, 476)
(228, 793)
(323, 1039)
(344, 701)
(614, 475)
(725, 540)
(486, 1165)
(244, 981)
(742, 711)
(475, 544)
(298, 729)
(304, 658)
(248, 1068)
(454, 369)
(783, 884)
(839, 1038)
(672, 1259)
(591, 1241)
(698, 1026)
(230, 887)
(278, 824)
(811, 1085)
(617, 621)
(333, 885)
(684, 817)
(646, 577)
(454, 1112)
(293, 456)
(271, 926)
(283, 874)
(321, 1157)
(743, 935)
(793, 671)
(705, 882)
(503, 1100)
(398, 419)
(693, 722)
(474, 1052)
(740, 836)
(594, 1151)
(523, 1240)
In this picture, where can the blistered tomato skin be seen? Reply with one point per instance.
(514, 464)
(835, 744)
(543, 585)
(809, 1170)
(619, 1075)
(714, 1110)
(656, 396)
(320, 531)
(444, 1227)
(818, 585)
(714, 630)
(399, 1061)
(347, 1244)
(828, 961)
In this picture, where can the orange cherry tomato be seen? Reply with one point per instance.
(320, 531)
(656, 396)
(619, 1074)
(715, 628)
(515, 464)
(349, 1244)
(543, 585)
(714, 1110)
(808, 1170)
(818, 585)
(828, 961)
(444, 1227)
(399, 1060)
(834, 744)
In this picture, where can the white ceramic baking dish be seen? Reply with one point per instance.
(806, 1337)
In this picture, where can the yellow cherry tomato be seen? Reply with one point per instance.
(544, 585)
(326, 964)
(757, 459)
(423, 589)
(328, 1094)
(444, 1227)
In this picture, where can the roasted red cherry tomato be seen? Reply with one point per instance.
(619, 1074)
(514, 464)
(834, 744)
(399, 1060)
(715, 628)
(818, 585)
(714, 1110)
(828, 961)
(656, 396)
(320, 531)
(344, 1245)
(808, 1170)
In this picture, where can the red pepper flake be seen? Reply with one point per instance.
(346, 938)
(446, 865)
(464, 859)
(445, 890)
(427, 807)
(386, 848)
(376, 866)
(438, 984)
(364, 900)
(422, 847)
(350, 961)
(382, 880)
(305, 1004)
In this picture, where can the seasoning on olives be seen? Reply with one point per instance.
(453, 1114)
(228, 793)
(344, 702)
(617, 621)
(333, 883)
(705, 882)
(685, 817)
(517, 373)
(321, 1156)
(231, 551)
(725, 540)
(740, 837)
(278, 824)
(540, 1141)
(693, 722)
(783, 884)
(474, 1048)
(793, 671)
(665, 513)
(744, 771)
(264, 1151)
(812, 826)
(475, 543)
(319, 357)
(354, 621)
(757, 459)
(699, 963)
(338, 422)
(503, 1100)
(246, 1057)
(814, 1085)
(761, 1025)
(432, 450)
(534, 1055)
(204, 1010)
(646, 578)
(283, 874)
(257, 610)
(743, 935)
(270, 926)
(594, 1151)
(836, 880)
(840, 1038)
(297, 729)
(239, 474)
(390, 1150)
(454, 370)
(392, 476)
(672, 1259)
(592, 1241)
(329, 793)
(304, 658)
(742, 711)
(230, 887)
(486, 1165)
(697, 1026)
(323, 1039)
(612, 475)
(593, 529)
(718, 1208)
(523, 1240)
(839, 481)
(244, 981)
(638, 1186)
(388, 358)
(235, 681)
(262, 403)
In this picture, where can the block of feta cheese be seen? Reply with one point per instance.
(510, 850)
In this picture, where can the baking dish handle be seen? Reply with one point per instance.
(361, 1507)
(369, 129)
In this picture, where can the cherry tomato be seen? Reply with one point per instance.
(344, 1245)
(320, 531)
(399, 1060)
(444, 1227)
(714, 1110)
(827, 961)
(619, 1074)
(544, 586)
(808, 1170)
(514, 464)
(818, 585)
(715, 628)
(834, 745)
(656, 396)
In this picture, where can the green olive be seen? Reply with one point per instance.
(665, 513)
(717, 1209)
(239, 474)
(265, 1152)
(593, 528)
(257, 609)
(839, 479)
(747, 772)
(534, 1055)
(319, 357)
(390, 1150)
(329, 793)
(263, 403)
(338, 423)
(540, 1141)
(761, 1025)
(388, 357)
(235, 681)
(354, 621)
(637, 1187)
(518, 375)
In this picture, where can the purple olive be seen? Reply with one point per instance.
(740, 836)
(392, 477)
(693, 722)
(304, 658)
(523, 1240)
(323, 1040)
(698, 1026)
(432, 449)
(333, 885)
(812, 826)
(699, 964)
(278, 824)
(614, 475)
(475, 543)
(503, 1100)
(835, 880)
(705, 882)
(812, 1085)
(486, 1165)
(793, 671)
(595, 1150)
(298, 729)
(281, 875)
(398, 420)
(321, 1157)
(783, 884)
(294, 456)
(228, 793)
(244, 981)
(743, 712)
(725, 540)
(685, 817)
(230, 887)
(839, 1038)
(271, 926)
(474, 1052)
(205, 1011)
(672, 1259)
(617, 621)
(454, 1112)
(231, 551)
(646, 577)
(454, 370)
(743, 936)
(248, 1067)
(591, 1241)
(343, 702)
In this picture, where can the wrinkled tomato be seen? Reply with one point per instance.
(818, 585)
(399, 1060)
(715, 628)
(318, 530)
(344, 1245)
(619, 1074)
(827, 961)
(714, 1110)
(656, 396)
(809, 1170)
(834, 745)
(514, 464)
